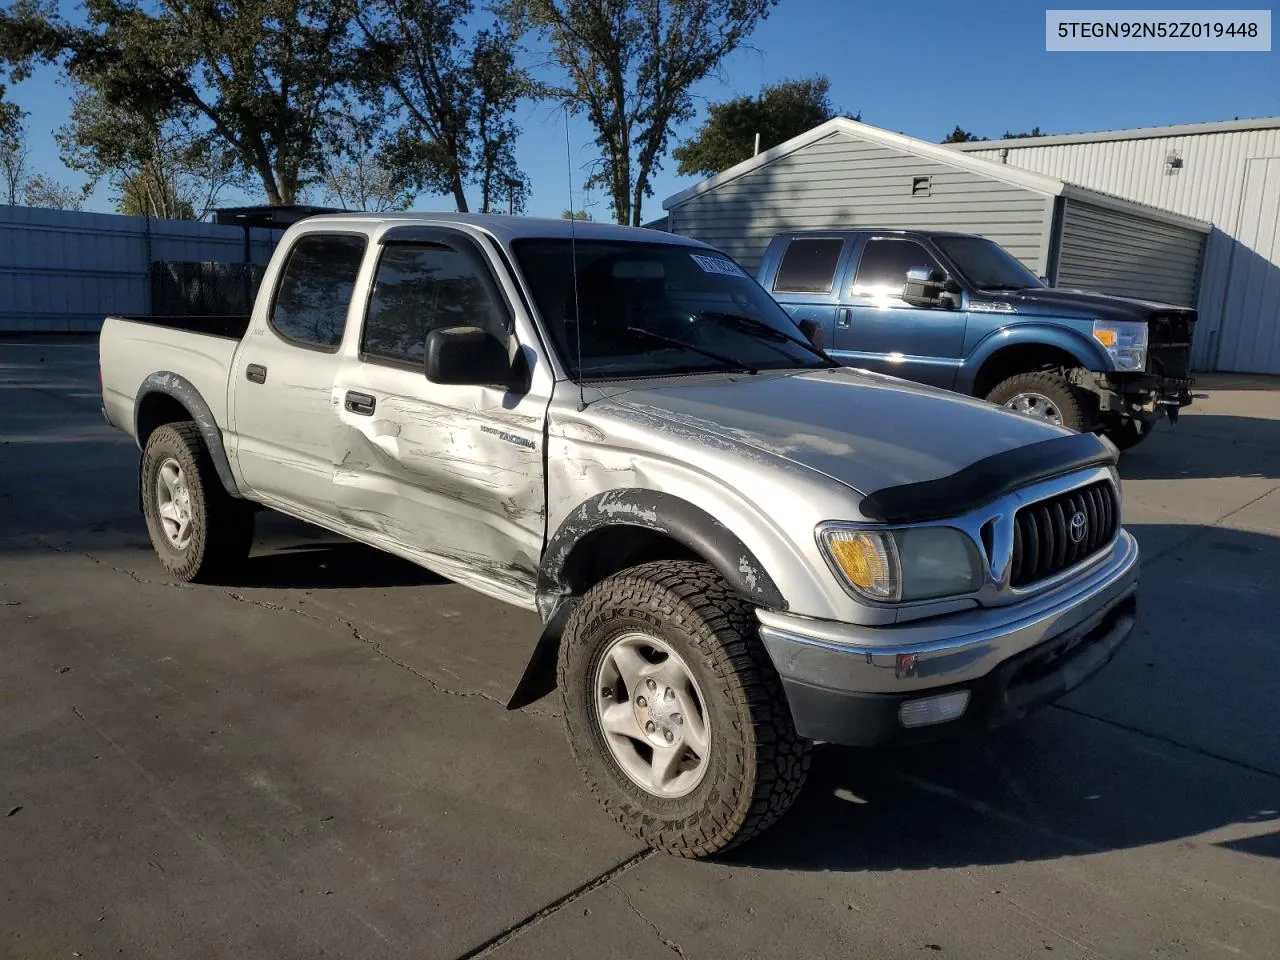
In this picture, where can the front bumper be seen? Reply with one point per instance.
(846, 683)
(1142, 395)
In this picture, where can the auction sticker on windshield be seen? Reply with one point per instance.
(726, 268)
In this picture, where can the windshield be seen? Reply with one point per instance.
(987, 265)
(657, 309)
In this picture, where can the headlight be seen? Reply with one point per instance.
(1125, 341)
(916, 563)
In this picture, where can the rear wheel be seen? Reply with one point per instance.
(1046, 395)
(198, 530)
(675, 714)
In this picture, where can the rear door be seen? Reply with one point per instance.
(449, 475)
(886, 333)
(806, 284)
(282, 376)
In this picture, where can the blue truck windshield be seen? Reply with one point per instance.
(987, 265)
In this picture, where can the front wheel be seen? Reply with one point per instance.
(1046, 395)
(675, 714)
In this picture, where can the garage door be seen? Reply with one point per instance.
(1112, 251)
(1251, 313)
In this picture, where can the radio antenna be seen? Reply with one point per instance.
(573, 260)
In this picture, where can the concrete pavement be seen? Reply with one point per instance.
(315, 760)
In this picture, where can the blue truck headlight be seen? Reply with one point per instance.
(1125, 341)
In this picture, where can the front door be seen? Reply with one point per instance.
(448, 475)
(881, 331)
(282, 412)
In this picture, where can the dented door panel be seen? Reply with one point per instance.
(452, 474)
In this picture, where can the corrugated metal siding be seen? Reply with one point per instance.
(841, 181)
(63, 271)
(1114, 252)
(1209, 186)
(1251, 312)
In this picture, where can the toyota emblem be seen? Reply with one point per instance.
(1079, 527)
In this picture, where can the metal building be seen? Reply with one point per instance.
(1226, 173)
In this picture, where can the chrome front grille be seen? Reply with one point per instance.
(1052, 535)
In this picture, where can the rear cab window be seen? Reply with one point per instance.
(809, 265)
(314, 292)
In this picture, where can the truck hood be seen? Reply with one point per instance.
(1082, 304)
(862, 429)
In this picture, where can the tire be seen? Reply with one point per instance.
(1069, 402)
(220, 528)
(1128, 433)
(754, 764)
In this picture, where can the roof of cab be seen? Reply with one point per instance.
(878, 231)
(501, 227)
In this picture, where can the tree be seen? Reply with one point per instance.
(575, 215)
(160, 167)
(778, 113)
(455, 96)
(960, 135)
(13, 163)
(263, 76)
(142, 194)
(357, 174)
(629, 66)
(1034, 132)
(42, 191)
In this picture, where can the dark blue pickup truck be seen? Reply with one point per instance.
(960, 312)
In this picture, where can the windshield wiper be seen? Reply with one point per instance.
(741, 320)
(737, 365)
(1003, 286)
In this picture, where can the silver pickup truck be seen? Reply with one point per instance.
(737, 546)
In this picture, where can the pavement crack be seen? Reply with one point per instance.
(348, 625)
(555, 906)
(666, 941)
(1170, 741)
(382, 652)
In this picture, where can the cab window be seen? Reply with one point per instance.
(882, 271)
(419, 287)
(809, 265)
(315, 288)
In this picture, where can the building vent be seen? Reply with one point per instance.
(919, 186)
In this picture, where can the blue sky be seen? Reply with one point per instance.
(917, 68)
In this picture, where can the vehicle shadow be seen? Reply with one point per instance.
(1173, 739)
(1207, 446)
(1028, 793)
(291, 554)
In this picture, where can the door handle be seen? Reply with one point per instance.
(255, 373)
(360, 403)
(843, 315)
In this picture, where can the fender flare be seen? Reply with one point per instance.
(649, 510)
(181, 389)
(662, 513)
(1087, 354)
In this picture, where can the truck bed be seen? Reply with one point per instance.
(200, 350)
(226, 325)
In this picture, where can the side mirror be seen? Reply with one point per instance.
(812, 331)
(467, 356)
(925, 287)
